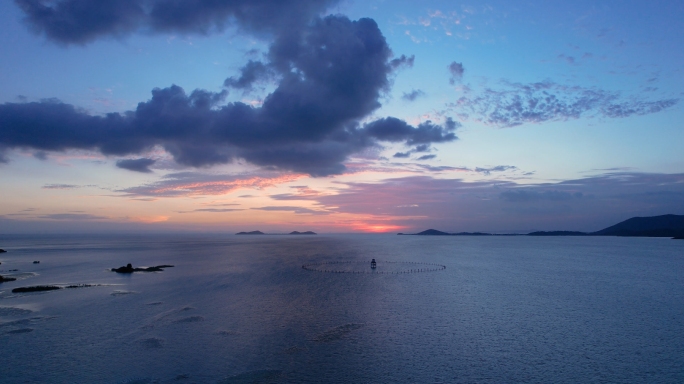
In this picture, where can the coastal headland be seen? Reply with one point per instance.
(653, 226)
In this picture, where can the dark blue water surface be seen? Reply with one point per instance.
(242, 310)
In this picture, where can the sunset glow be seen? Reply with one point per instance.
(347, 117)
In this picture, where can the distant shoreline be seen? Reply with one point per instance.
(295, 233)
(654, 226)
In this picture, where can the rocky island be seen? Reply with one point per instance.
(43, 288)
(37, 288)
(2, 251)
(302, 233)
(251, 233)
(129, 269)
(4, 279)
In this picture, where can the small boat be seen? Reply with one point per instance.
(373, 264)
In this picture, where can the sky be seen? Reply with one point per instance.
(339, 116)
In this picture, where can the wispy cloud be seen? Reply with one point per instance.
(72, 217)
(456, 70)
(185, 184)
(495, 205)
(60, 186)
(301, 193)
(296, 210)
(426, 157)
(529, 195)
(213, 210)
(517, 104)
(148, 219)
(498, 168)
(413, 95)
(137, 165)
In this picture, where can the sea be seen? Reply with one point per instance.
(310, 309)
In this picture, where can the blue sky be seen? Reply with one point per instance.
(563, 116)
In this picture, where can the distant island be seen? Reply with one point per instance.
(291, 233)
(654, 226)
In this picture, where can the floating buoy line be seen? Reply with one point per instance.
(379, 267)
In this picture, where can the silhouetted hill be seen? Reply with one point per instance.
(654, 226)
(251, 233)
(302, 233)
(432, 232)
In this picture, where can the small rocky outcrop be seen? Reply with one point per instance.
(302, 233)
(36, 262)
(2, 251)
(37, 288)
(4, 279)
(129, 269)
(41, 288)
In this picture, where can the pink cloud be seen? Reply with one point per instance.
(184, 184)
(456, 205)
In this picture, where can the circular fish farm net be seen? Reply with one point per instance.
(381, 267)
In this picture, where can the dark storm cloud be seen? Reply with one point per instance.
(456, 70)
(136, 165)
(82, 21)
(330, 76)
(518, 104)
(413, 95)
(252, 72)
(395, 130)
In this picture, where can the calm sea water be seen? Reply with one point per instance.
(242, 310)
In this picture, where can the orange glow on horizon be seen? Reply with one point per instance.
(149, 219)
(377, 228)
